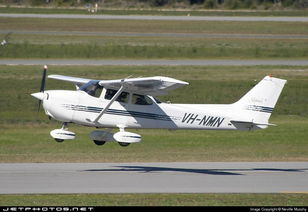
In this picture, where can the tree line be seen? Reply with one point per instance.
(206, 4)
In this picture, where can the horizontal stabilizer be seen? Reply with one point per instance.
(250, 125)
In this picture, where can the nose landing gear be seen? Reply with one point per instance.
(62, 134)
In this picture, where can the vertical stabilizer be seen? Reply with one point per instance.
(260, 101)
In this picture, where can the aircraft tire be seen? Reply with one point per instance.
(124, 144)
(59, 140)
(99, 143)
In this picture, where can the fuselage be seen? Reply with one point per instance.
(81, 108)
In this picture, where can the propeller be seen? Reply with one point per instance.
(42, 89)
(40, 95)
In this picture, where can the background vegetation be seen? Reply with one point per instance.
(209, 4)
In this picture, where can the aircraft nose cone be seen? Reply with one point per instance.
(39, 95)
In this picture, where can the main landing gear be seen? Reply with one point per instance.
(123, 138)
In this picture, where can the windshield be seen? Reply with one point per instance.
(92, 88)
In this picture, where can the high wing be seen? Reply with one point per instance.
(153, 86)
(76, 80)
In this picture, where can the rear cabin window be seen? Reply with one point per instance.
(141, 100)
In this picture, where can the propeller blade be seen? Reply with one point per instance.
(43, 79)
(42, 89)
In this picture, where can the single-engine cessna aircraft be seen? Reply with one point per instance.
(131, 103)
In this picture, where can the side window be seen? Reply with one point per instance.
(110, 93)
(123, 97)
(141, 100)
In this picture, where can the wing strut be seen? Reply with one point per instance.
(110, 103)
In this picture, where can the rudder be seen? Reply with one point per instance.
(260, 101)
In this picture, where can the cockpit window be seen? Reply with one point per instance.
(92, 88)
(141, 100)
(123, 97)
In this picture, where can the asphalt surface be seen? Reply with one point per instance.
(153, 62)
(149, 34)
(194, 177)
(160, 18)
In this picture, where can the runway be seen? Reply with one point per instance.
(152, 34)
(160, 18)
(179, 177)
(154, 62)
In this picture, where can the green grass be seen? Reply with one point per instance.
(286, 142)
(38, 45)
(153, 26)
(20, 123)
(155, 200)
(228, 49)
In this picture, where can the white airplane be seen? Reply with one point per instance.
(131, 103)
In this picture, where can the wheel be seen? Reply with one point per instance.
(99, 143)
(59, 140)
(123, 144)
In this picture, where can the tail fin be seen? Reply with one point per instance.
(260, 101)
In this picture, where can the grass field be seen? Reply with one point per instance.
(37, 44)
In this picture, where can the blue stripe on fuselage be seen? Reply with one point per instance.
(118, 112)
